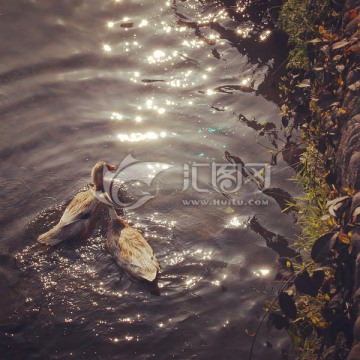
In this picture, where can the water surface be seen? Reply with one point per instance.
(177, 82)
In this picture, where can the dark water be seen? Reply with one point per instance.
(167, 82)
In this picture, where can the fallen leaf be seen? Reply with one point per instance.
(326, 50)
(355, 86)
(322, 30)
(316, 41)
(285, 269)
(336, 204)
(304, 83)
(344, 238)
(340, 44)
(355, 214)
(247, 332)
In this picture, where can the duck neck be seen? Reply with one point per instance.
(112, 213)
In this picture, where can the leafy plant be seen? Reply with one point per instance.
(311, 206)
(300, 19)
(315, 303)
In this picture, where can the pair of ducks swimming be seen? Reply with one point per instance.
(126, 245)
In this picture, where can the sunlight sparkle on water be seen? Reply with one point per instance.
(167, 28)
(116, 116)
(236, 222)
(193, 43)
(245, 32)
(262, 272)
(213, 36)
(143, 23)
(158, 54)
(136, 137)
(192, 281)
(175, 83)
(110, 24)
(106, 47)
(265, 35)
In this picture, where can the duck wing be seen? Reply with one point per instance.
(137, 255)
(80, 208)
(60, 233)
(75, 220)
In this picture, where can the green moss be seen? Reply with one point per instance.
(300, 20)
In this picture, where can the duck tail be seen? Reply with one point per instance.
(51, 237)
(153, 287)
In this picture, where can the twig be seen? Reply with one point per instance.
(272, 304)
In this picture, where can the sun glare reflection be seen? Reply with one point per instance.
(237, 222)
(262, 272)
(107, 48)
(158, 56)
(136, 137)
(245, 31)
(143, 23)
(116, 116)
(246, 81)
(265, 35)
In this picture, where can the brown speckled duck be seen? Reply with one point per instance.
(80, 216)
(130, 250)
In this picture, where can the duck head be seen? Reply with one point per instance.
(97, 174)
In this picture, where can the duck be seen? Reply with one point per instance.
(81, 215)
(130, 250)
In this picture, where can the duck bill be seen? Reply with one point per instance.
(111, 167)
